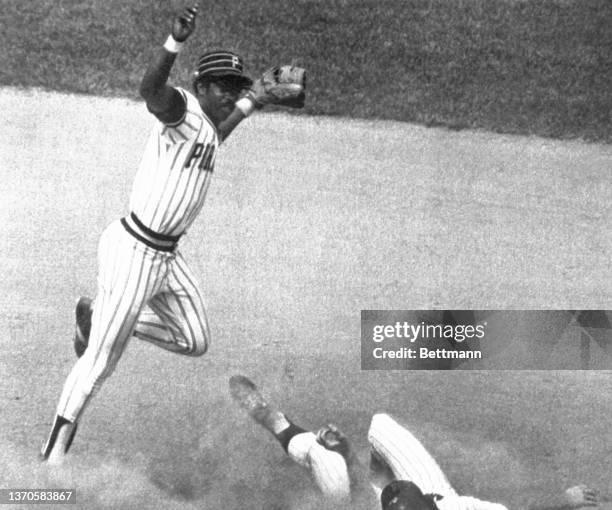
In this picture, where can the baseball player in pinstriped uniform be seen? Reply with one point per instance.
(402, 475)
(145, 287)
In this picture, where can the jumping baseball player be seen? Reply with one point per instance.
(145, 288)
(409, 476)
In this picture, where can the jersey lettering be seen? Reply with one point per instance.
(206, 163)
(206, 152)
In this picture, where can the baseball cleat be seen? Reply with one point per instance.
(246, 394)
(83, 325)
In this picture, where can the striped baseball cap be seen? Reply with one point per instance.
(221, 63)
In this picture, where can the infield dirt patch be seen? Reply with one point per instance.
(307, 222)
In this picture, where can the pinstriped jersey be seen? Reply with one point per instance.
(408, 459)
(175, 171)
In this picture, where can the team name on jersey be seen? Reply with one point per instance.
(205, 152)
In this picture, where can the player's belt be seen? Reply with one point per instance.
(145, 235)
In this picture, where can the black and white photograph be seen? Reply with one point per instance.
(309, 254)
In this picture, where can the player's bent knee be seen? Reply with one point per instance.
(199, 349)
(198, 344)
(191, 342)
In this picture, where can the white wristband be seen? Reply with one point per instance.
(245, 105)
(172, 45)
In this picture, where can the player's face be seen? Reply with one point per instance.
(217, 99)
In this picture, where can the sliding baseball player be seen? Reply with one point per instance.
(146, 289)
(403, 475)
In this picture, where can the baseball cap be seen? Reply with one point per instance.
(405, 495)
(222, 63)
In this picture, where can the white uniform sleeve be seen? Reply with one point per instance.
(328, 468)
(189, 126)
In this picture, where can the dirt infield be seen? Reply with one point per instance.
(307, 222)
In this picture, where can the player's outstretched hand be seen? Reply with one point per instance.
(581, 495)
(184, 24)
(333, 439)
(280, 85)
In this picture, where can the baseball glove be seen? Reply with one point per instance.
(282, 86)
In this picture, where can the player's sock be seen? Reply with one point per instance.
(278, 422)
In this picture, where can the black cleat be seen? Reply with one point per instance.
(83, 325)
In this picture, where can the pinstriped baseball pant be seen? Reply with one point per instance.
(142, 292)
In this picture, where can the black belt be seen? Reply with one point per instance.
(144, 234)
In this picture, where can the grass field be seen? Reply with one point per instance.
(533, 67)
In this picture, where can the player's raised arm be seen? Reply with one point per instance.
(232, 121)
(279, 85)
(164, 101)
